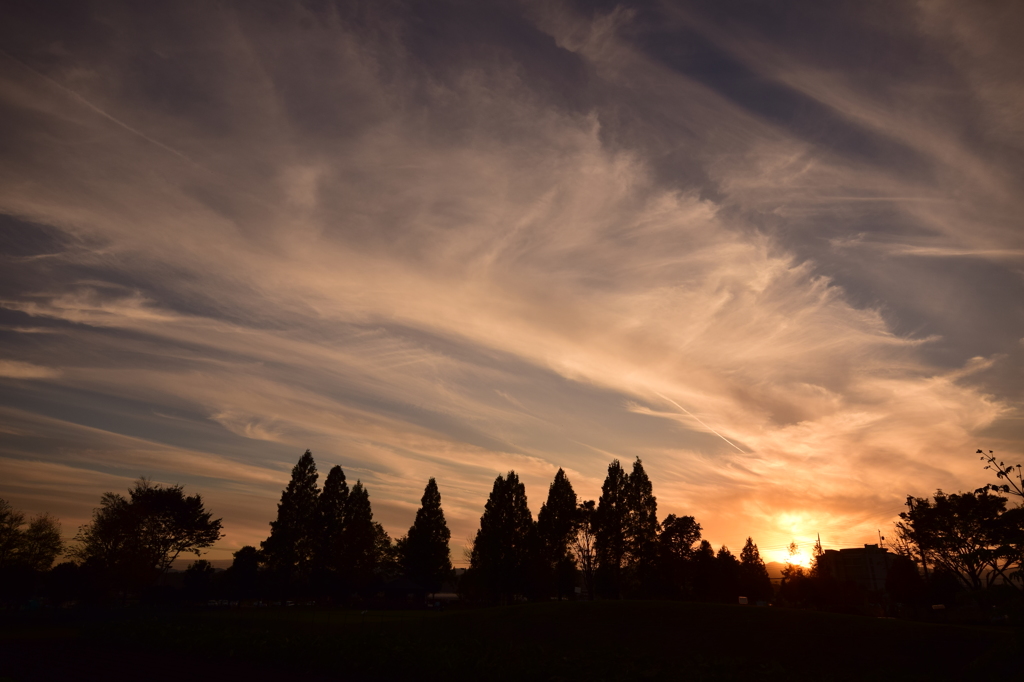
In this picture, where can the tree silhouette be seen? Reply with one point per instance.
(584, 544)
(640, 529)
(704, 571)
(1013, 474)
(243, 576)
(556, 527)
(426, 557)
(135, 539)
(969, 535)
(726, 576)
(675, 553)
(611, 530)
(359, 539)
(33, 548)
(332, 505)
(501, 550)
(295, 533)
(754, 580)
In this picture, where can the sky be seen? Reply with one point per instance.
(773, 249)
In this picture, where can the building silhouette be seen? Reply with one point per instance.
(866, 566)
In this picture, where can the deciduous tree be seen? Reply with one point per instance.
(35, 547)
(584, 544)
(970, 535)
(135, 539)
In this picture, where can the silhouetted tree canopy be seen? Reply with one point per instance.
(640, 522)
(359, 538)
(754, 580)
(611, 530)
(34, 547)
(970, 535)
(425, 553)
(556, 528)
(332, 505)
(584, 545)
(501, 551)
(675, 550)
(295, 533)
(138, 537)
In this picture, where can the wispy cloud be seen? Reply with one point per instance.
(427, 254)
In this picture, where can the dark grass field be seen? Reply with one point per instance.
(554, 641)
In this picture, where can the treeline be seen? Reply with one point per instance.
(612, 548)
(325, 546)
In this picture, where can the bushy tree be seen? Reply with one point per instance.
(243, 576)
(969, 535)
(426, 556)
(556, 528)
(500, 557)
(296, 532)
(33, 548)
(675, 553)
(135, 539)
(754, 580)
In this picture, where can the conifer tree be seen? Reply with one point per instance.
(426, 557)
(556, 528)
(704, 571)
(501, 551)
(726, 576)
(754, 580)
(640, 520)
(294, 534)
(610, 537)
(332, 505)
(359, 538)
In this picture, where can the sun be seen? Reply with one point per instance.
(800, 559)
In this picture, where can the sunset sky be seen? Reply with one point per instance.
(775, 249)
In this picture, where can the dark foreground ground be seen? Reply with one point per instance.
(554, 641)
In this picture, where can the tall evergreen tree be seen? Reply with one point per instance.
(501, 550)
(704, 572)
(359, 539)
(294, 534)
(726, 576)
(754, 580)
(611, 527)
(640, 521)
(556, 528)
(426, 557)
(332, 504)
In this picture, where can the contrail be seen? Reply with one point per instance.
(694, 417)
(99, 111)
